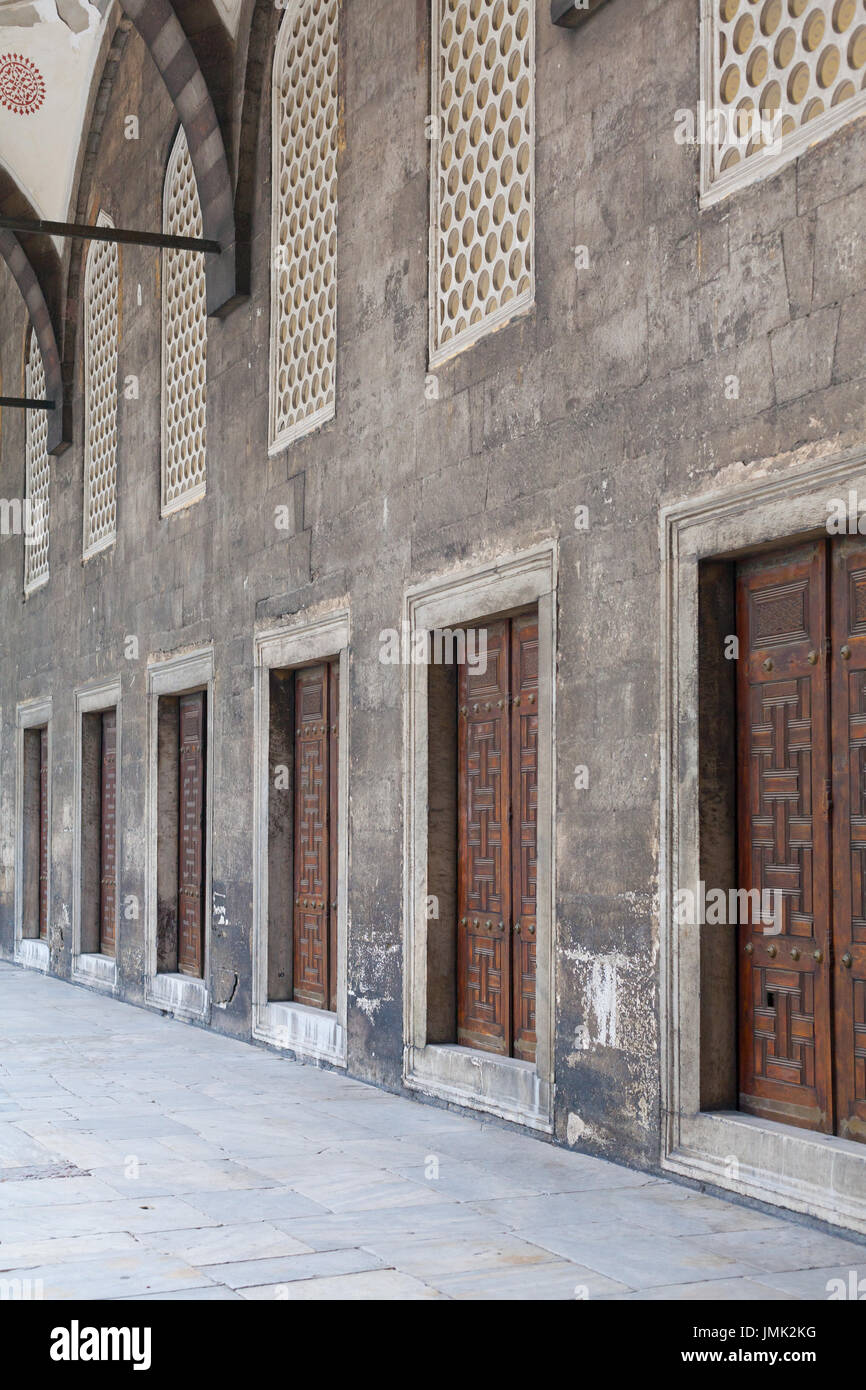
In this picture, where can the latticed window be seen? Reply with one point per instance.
(482, 170)
(37, 475)
(184, 340)
(777, 76)
(304, 221)
(101, 285)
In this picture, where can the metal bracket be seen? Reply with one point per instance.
(570, 14)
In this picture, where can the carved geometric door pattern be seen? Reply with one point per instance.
(317, 697)
(497, 818)
(43, 834)
(191, 827)
(108, 837)
(801, 715)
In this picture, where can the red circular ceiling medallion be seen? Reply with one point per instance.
(22, 86)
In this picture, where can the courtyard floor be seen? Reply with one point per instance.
(141, 1158)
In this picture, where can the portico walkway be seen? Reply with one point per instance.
(140, 1158)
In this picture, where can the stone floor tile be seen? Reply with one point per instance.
(156, 1214)
(112, 1276)
(363, 1190)
(277, 1204)
(178, 1176)
(642, 1260)
(427, 1257)
(342, 1230)
(385, 1284)
(709, 1291)
(558, 1280)
(49, 1192)
(283, 1270)
(21, 1253)
(836, 1283)
(249, 1240)
(791, 1247)
(216, 1293)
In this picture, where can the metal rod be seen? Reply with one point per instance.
(25, 403)
(85, 232)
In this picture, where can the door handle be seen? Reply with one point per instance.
(847, 960)
(845, 652)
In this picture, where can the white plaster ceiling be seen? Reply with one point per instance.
(48, 49)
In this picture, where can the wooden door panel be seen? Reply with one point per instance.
(108, 836)
(43, 834)
(848, 665)
(191, 824)
(484, 862)
(784, 844)
(524, 823)
(312, 852)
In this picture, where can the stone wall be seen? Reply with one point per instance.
(611, 394)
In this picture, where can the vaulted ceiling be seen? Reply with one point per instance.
(52, 55)
(49, 52)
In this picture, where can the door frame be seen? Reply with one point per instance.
(92, 968)
(31, 714)
(316, 1034)
(504, 1086)
(182, 995)
(819, 1174)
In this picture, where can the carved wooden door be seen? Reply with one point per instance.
(108, 836)
(784, 836)
(191, 824)
(497, 771)
(43, 834)
(848, 657)
(316, 778)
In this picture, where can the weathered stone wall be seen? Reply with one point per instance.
(609, 394)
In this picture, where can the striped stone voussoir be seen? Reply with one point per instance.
(59, 432)
(172, 52)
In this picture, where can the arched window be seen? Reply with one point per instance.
(101, 287)
(37, 474)
(303, 222)
(184, 339)
(482, 268)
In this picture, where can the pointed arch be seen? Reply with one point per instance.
(173, 54)
(37, 273)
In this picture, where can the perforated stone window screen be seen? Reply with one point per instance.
(482, 267)
(101, 309)
(184, 339)
(37, 475)
(304, 221)
(778, 75)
